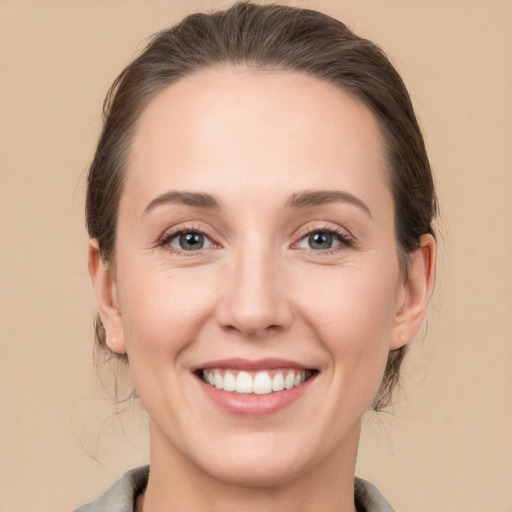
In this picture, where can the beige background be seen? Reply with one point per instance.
(448, 446)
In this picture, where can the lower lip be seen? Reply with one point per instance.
(251, 404)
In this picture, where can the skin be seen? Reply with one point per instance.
(253, 139)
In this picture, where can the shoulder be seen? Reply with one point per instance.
(368, 498)
(122, 495)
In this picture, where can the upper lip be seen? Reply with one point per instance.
(251, 364)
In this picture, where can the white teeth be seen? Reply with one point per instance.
(278, 382)
(289, 380)
(229, 382)
(218, 379)
(260, 384)
(243, 383)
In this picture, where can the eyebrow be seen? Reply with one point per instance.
(196, 199)
(306, 199)
(310, 198)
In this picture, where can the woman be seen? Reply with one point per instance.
(260, 208)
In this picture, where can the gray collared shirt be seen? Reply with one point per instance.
(121, 497)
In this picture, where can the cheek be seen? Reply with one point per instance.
(354, 317)
(162, 310)
(357, 332)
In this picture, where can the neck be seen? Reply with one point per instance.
(176, 484)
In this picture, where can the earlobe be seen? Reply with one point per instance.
(106, 297)
(418, 285)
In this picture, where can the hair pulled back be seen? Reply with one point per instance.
(268, 37)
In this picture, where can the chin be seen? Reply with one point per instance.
(245, 471)
(258, 460)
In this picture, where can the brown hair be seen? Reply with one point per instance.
(270, 37)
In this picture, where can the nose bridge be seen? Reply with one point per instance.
(254, 299)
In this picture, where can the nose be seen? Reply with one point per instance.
(253, 299)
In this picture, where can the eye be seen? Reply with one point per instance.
(188, 241)
(324, 239)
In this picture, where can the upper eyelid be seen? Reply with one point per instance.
(191, 225)
(318, 226)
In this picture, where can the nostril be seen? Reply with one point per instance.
(253, 330)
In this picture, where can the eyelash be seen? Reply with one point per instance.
(346, 241)
(166, 239)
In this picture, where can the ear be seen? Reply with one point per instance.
(104, 286)
(417, 287)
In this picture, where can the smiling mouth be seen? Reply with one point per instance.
(262, 382)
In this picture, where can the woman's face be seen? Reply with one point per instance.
(255, 249)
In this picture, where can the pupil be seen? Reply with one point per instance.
(191, 241)
(320, 241)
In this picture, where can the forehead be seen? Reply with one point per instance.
(228, 130)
